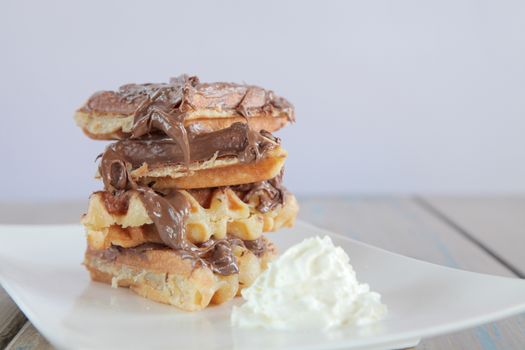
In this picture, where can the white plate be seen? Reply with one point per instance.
(40, 267)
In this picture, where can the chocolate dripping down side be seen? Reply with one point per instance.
(169, 210)
(265, 195)
(257, 247)
(160, 111)
(232, 141)
(270, 193)
(235, 141)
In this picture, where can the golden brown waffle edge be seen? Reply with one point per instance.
(100, 126)
(227, 214)
(165, 277)
(213, 173)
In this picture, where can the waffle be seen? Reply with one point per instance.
(226, 213)
(212, 173)
(201, 160)
(110, 114)
(163, 276)
(115, 127)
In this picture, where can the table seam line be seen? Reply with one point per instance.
(429, 208)
(18, 333)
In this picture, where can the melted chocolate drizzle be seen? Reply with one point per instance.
(235, 141)
(215, 254)
(195, 96)
(159, 112)
(270, 193)
(169, 212)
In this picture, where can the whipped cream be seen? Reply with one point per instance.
(312, 285)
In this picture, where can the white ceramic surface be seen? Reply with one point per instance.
(40, 267)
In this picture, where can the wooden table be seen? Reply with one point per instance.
(484, 234)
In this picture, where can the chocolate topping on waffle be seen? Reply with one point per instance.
(189, 94)
(270, 193)
(215, 254)
(236, 141)
(169, 210)
(159, 137)
(154, 113)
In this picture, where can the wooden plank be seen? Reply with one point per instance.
(11, 319)
(29, 339)
(403, 226)
(497, 223)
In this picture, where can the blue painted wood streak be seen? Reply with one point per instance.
(485, 338)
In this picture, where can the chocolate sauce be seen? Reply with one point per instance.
(114, 170)
(169, 213)
(169, 210)
(159, 138)
(161, 110)
(235, 141)
(195, 96)
(270, 193)
(219, 255)
(215, 254)
(256, 246)
(116, 203)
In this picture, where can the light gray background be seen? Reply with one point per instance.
(391, 96)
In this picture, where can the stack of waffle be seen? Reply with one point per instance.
(192, 181)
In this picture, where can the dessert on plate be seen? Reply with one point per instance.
(192, 180)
